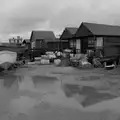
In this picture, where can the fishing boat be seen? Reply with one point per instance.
(7, 58)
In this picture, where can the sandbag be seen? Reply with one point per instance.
(44, 61)
(50, 56)
(57, 62)
(31, 63)
(37, 58)
(83, 63)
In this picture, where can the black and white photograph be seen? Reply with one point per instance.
(60, 60)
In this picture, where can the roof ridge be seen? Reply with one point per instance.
(100, 29)
(111, 25)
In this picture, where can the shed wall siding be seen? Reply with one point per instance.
(111, 46)
(109, 41)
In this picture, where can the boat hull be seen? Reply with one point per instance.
(7, 58)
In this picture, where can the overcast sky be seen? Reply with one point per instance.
(20, 17)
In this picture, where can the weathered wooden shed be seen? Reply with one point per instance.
(68, 35)
(105, 38)
(39, 41)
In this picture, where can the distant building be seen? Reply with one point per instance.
(16, 41)
(26, 43)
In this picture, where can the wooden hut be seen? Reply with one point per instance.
(39, 41)
(68, 36)
(105, 39)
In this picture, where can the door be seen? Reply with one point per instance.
(40, 43)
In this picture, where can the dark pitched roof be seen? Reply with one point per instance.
(46, 35)
(98, 30)
(72, 30)
(68, 33)
(26, 40)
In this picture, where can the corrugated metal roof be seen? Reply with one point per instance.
(100, 29)
(46, 35)
(68, 33)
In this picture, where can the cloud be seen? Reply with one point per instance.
(23, 16)
(99, 11)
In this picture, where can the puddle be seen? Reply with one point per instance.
(9, 79)
(32, 95)
(70, 90)
(60, 99)
(38, 85)
(90, 78)
(92, 96)
(96, 98)
(37, 79)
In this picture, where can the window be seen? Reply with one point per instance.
(99, 42)
(78, 44)
(72, 43)
(91, 42)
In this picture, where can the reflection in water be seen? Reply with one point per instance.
(8, 80)
(26, 84)
(59, 98)
(92, 96)
(39, 79)
(90, 78)
(70, 90)
(40, 84)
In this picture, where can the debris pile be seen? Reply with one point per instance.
(80, 61)
(96, 62)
